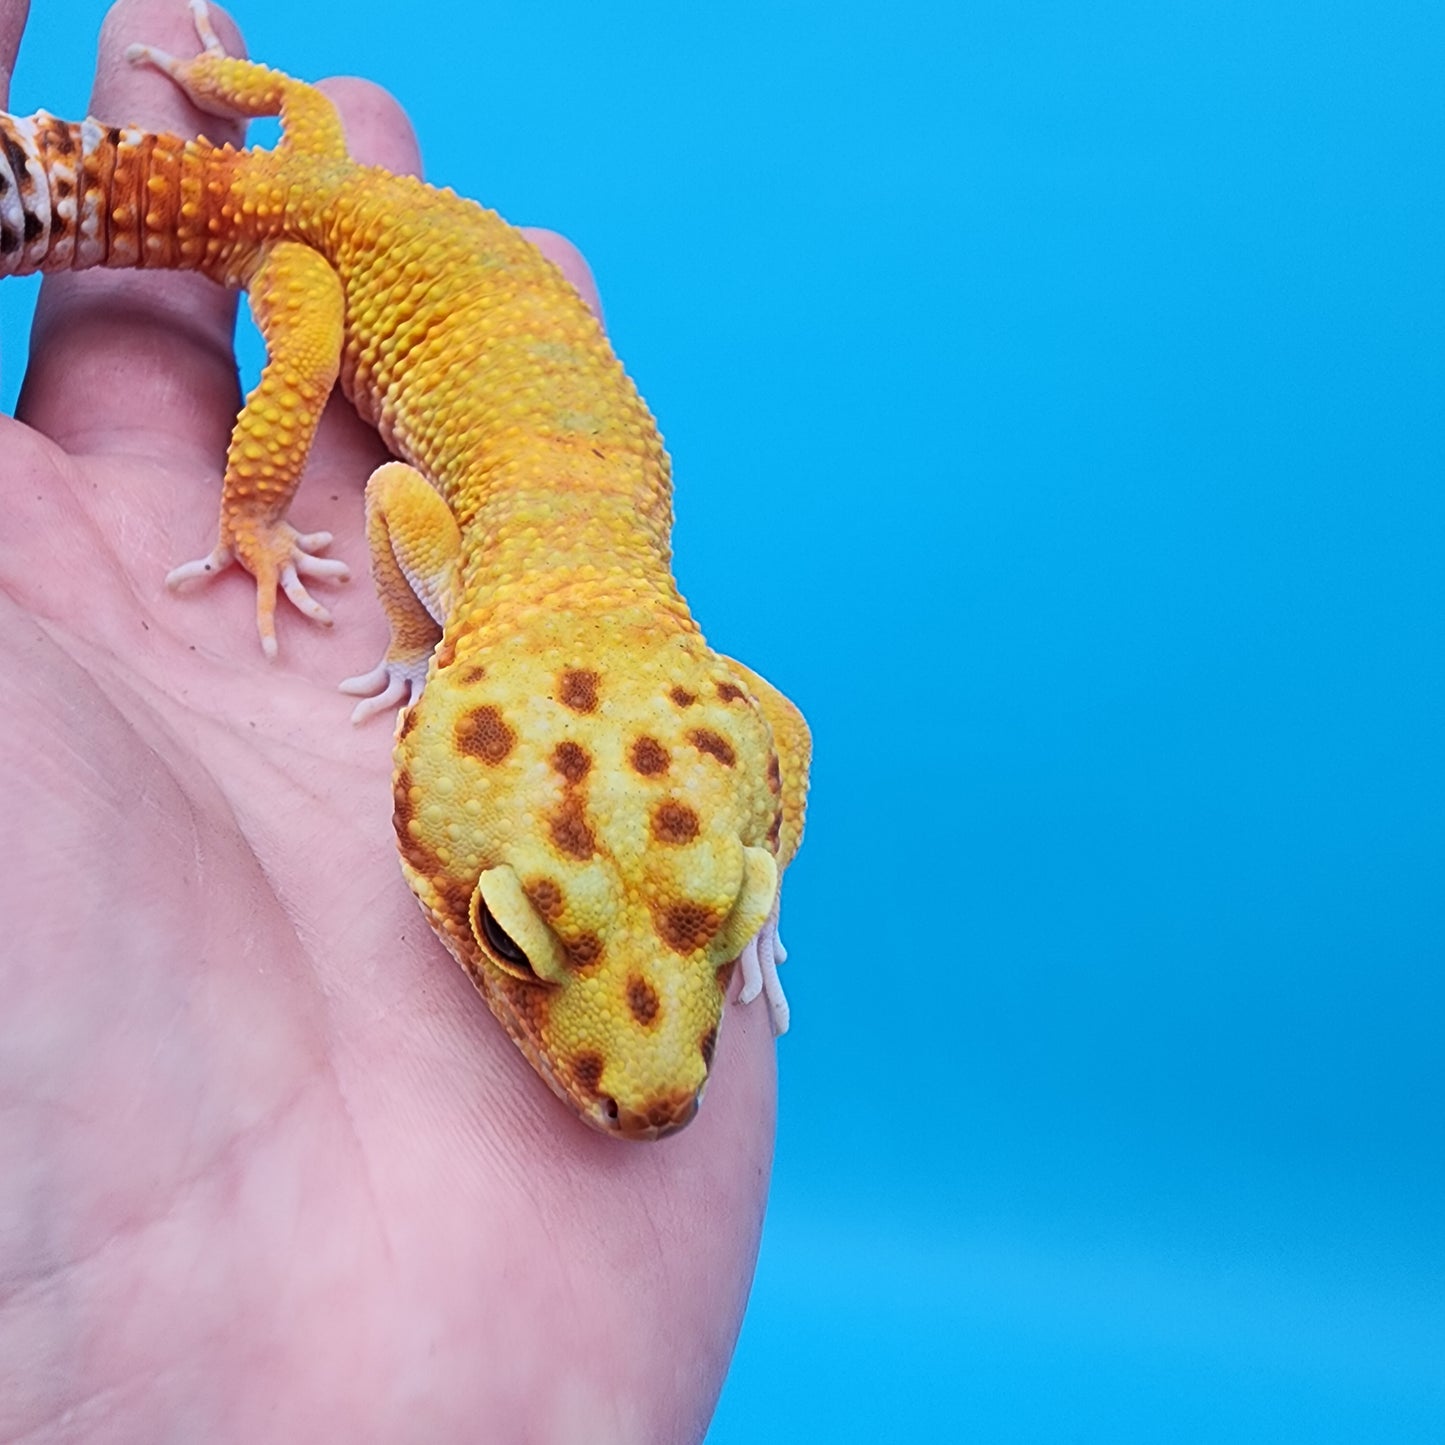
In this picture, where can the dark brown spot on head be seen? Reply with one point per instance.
(571, 760)
(775, 775)
(642, 999)
(471, 676)
(685, 927)
(64, 188)
(705, 740)
(649, 757)
(708, 1045)
(730, 691)
(674, 822)
(586, 1069)
(570, 831)
(682, 697)
(545, 896)
(483, 733)
(584, 950)
(577, 689)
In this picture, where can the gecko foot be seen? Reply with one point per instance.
(760, 960)
(178, 69)
(276, 555)
(390, 682)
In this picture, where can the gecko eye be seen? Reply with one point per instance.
(506, 953)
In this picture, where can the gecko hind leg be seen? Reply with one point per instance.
(223, 84)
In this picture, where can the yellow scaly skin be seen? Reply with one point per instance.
(593, 808)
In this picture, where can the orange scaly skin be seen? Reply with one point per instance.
(593, 808)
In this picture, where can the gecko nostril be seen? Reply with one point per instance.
(609, 1107)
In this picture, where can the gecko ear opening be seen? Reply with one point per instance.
(509, 932)
(755, 900)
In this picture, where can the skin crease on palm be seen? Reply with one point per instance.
(268, 1167)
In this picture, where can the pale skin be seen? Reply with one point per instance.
(268, 1167)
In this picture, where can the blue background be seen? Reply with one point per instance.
(1056, 397)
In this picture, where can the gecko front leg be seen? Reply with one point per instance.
(297, 301)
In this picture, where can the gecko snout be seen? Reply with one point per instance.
(664, 1114)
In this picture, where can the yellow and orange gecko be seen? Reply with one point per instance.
(594, 809)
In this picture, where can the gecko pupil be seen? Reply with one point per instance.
(500, 941)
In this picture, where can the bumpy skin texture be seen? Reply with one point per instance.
(593, 808)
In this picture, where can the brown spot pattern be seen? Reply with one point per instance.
(587, 1071)
(456, 898)
(402, 809)
(724, 974)
(471, 676)
(642, 999)
(682, 697)
(705, 740)
(685, 927)
(674, 822)
(483, 733)
(572, 761)
(570, 831)
(408, 722)
(649, 757)
(730, 691)
(775, 775)
(446, 652)
(584, 950)
(545, 896)
(577, 689)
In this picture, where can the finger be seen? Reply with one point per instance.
(120, 360)
(563, 254)
(12, 22)
(378, 132)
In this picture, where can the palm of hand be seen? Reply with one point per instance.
(275, 1172)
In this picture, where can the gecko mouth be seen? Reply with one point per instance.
(664, 1113)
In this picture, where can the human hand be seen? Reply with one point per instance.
(268, 1167)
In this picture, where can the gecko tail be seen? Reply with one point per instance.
(80, 194)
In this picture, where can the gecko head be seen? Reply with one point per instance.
(596, 846)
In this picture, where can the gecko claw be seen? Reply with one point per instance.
(760, 960)
(388, 684)
(299, 597)
(204, 567)
(201, 17)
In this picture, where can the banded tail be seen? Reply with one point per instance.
(75, 195)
